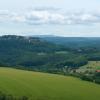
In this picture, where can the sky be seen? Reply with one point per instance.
(79, 18)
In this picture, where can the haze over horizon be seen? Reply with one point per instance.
(79, 18)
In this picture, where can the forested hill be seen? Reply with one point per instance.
(26, 51)
(73, 42)
(41, 55)
(20, 43)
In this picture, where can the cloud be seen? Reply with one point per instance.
(18, 18)
(4, 15)
(47, 17)
(45, 9)
(43, 16)
(85, 18)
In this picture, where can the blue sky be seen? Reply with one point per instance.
(53, 17)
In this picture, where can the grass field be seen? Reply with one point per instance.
(42, 86)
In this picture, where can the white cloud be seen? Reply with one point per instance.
(18, 18)
(4, 15)
(88, 18)
(43, 16)
(45, 9)
(39, 17)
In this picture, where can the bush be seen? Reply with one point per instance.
(4, 96)
(87, 78)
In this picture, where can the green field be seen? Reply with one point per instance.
(42, 86)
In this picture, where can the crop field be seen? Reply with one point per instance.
(43, 86)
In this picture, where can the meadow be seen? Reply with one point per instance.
(43, 86)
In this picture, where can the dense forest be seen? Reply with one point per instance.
(49, 54)
(37, 54)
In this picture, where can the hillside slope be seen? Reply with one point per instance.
(40, 86)
(33, 53)
(21, 51)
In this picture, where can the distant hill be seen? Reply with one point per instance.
(33, 44)
(72, 42)
(47, 53)
(27, 51)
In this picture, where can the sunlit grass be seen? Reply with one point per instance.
(42, 86)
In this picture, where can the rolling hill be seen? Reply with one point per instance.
(42, 86)
(19, 50)
(72, 42)
(32, 53)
